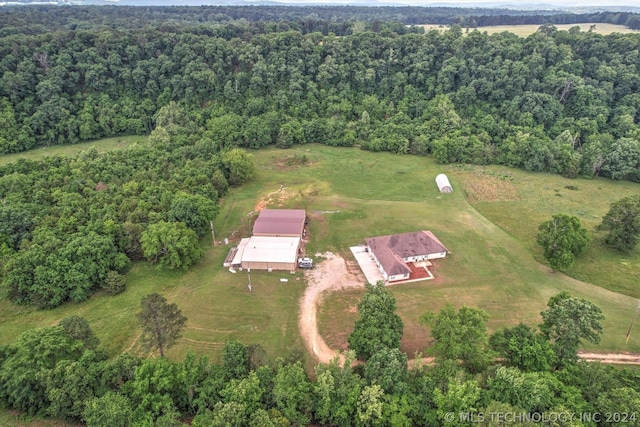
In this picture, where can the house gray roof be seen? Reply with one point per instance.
(280, 222)
(391, 250)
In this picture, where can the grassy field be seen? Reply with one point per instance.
(102, 145)
(351, 194)
(517, 202)
(527, 30)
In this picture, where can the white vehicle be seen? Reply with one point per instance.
(305, 263)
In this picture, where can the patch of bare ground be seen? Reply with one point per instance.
(481, 187)
(614, 358)
(275, 198)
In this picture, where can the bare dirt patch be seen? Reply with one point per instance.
(275, 198)
(481, 187)
(615, 358)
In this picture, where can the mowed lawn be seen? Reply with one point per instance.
(349, 194)
(526, 30)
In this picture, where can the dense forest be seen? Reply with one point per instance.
(71, 226)
(558, 101)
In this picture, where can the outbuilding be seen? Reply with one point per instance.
(270, 253)
(443, 184)
(280, 223)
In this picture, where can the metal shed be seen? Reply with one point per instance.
(443, 184)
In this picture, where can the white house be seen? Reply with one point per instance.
(392, 253)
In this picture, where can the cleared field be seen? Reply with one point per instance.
(102, 145)
(526, 30)
(352, 194)
(517, 202)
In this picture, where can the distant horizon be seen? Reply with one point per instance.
(613, 5)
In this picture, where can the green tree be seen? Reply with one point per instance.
(622, 224)
(336, 392)
(114, 283)
(460, 335)
(235, 358)
(461, 397)
(78, 328)
(388, 368)
(626, 400)
(567, 321)
(378, 326)
(523, 348)
(153, 391)
(161, 323)
(238, 165)
(171, 244)
(195, 211)
(292, 393)
(523, 390)
(71, 383)
(562, 238)
(16, 223)
(112, 409)
(370, 404)
(23, 373)
(246, 392)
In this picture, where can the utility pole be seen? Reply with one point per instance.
(213, 235)
(632, 322)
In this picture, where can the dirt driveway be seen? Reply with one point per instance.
(332, 274)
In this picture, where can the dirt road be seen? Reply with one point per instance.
(615, 358)
(333, 274)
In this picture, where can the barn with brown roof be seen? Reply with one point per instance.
(275, 243)
(393, 253)
(280, 223)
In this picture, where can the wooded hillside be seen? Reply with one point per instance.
(557, 101)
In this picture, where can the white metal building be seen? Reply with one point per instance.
(275, 253)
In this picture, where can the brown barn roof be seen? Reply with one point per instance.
(390, 250)
(280, 222)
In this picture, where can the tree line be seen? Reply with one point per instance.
(61, 372)
(327, 18)
(557, 101)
